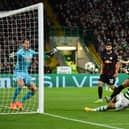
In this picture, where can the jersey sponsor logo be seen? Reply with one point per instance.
(108, 61)
(111, 81)
(28, 60)
(111, 58)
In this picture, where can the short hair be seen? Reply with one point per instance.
(108, 44)
(25, 39)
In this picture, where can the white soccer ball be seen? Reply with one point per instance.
(96, 70)
(90, 67)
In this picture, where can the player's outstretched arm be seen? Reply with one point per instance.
(124, 62)
(51, 52)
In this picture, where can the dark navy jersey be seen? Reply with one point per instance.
(109, 61)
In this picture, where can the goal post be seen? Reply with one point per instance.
(41, 58)
(15, 26)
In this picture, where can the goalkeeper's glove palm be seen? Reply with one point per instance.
(11, 55)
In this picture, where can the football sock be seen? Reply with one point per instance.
(117, 90)
(16, 93)
(27, 96)
(100, 90)
(101, 109)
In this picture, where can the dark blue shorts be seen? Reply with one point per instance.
(109, 79)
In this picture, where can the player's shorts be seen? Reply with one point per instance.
(22, 75)
(121, 102)
(110, 80)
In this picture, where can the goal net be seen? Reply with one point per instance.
(15, 26)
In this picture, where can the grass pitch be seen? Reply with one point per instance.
(65, 111)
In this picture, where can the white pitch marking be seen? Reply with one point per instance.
(82, 121)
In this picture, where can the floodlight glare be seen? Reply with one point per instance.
(66, 48)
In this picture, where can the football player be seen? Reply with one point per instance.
(109, 69)
(121, 101)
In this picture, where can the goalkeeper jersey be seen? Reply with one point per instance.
(24, 59)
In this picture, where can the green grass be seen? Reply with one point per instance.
(68, 103)
(6, 95)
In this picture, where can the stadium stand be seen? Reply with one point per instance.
(101, 20)
(108, 20)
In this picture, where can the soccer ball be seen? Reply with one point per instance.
(90, 67)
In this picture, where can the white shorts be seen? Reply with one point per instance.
(121, 102)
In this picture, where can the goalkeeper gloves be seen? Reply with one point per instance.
(11, 55)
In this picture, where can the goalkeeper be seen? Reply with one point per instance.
(24, 59)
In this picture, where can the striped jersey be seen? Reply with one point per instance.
(126, 94)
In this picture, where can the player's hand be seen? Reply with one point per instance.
(124, 70)
(11, 55)
(101, 72)
(53, 51)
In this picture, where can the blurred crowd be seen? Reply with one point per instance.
(109, 20)
(14, 29)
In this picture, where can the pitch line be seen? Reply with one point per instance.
(82, 121)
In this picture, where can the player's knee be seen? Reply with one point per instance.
(100, 84)
(20, 83)
(125, 83)
(33, 88)
(111, 106)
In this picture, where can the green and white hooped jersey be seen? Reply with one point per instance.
(126, 94)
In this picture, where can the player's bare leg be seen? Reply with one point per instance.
(108, 98)
(118, 89)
